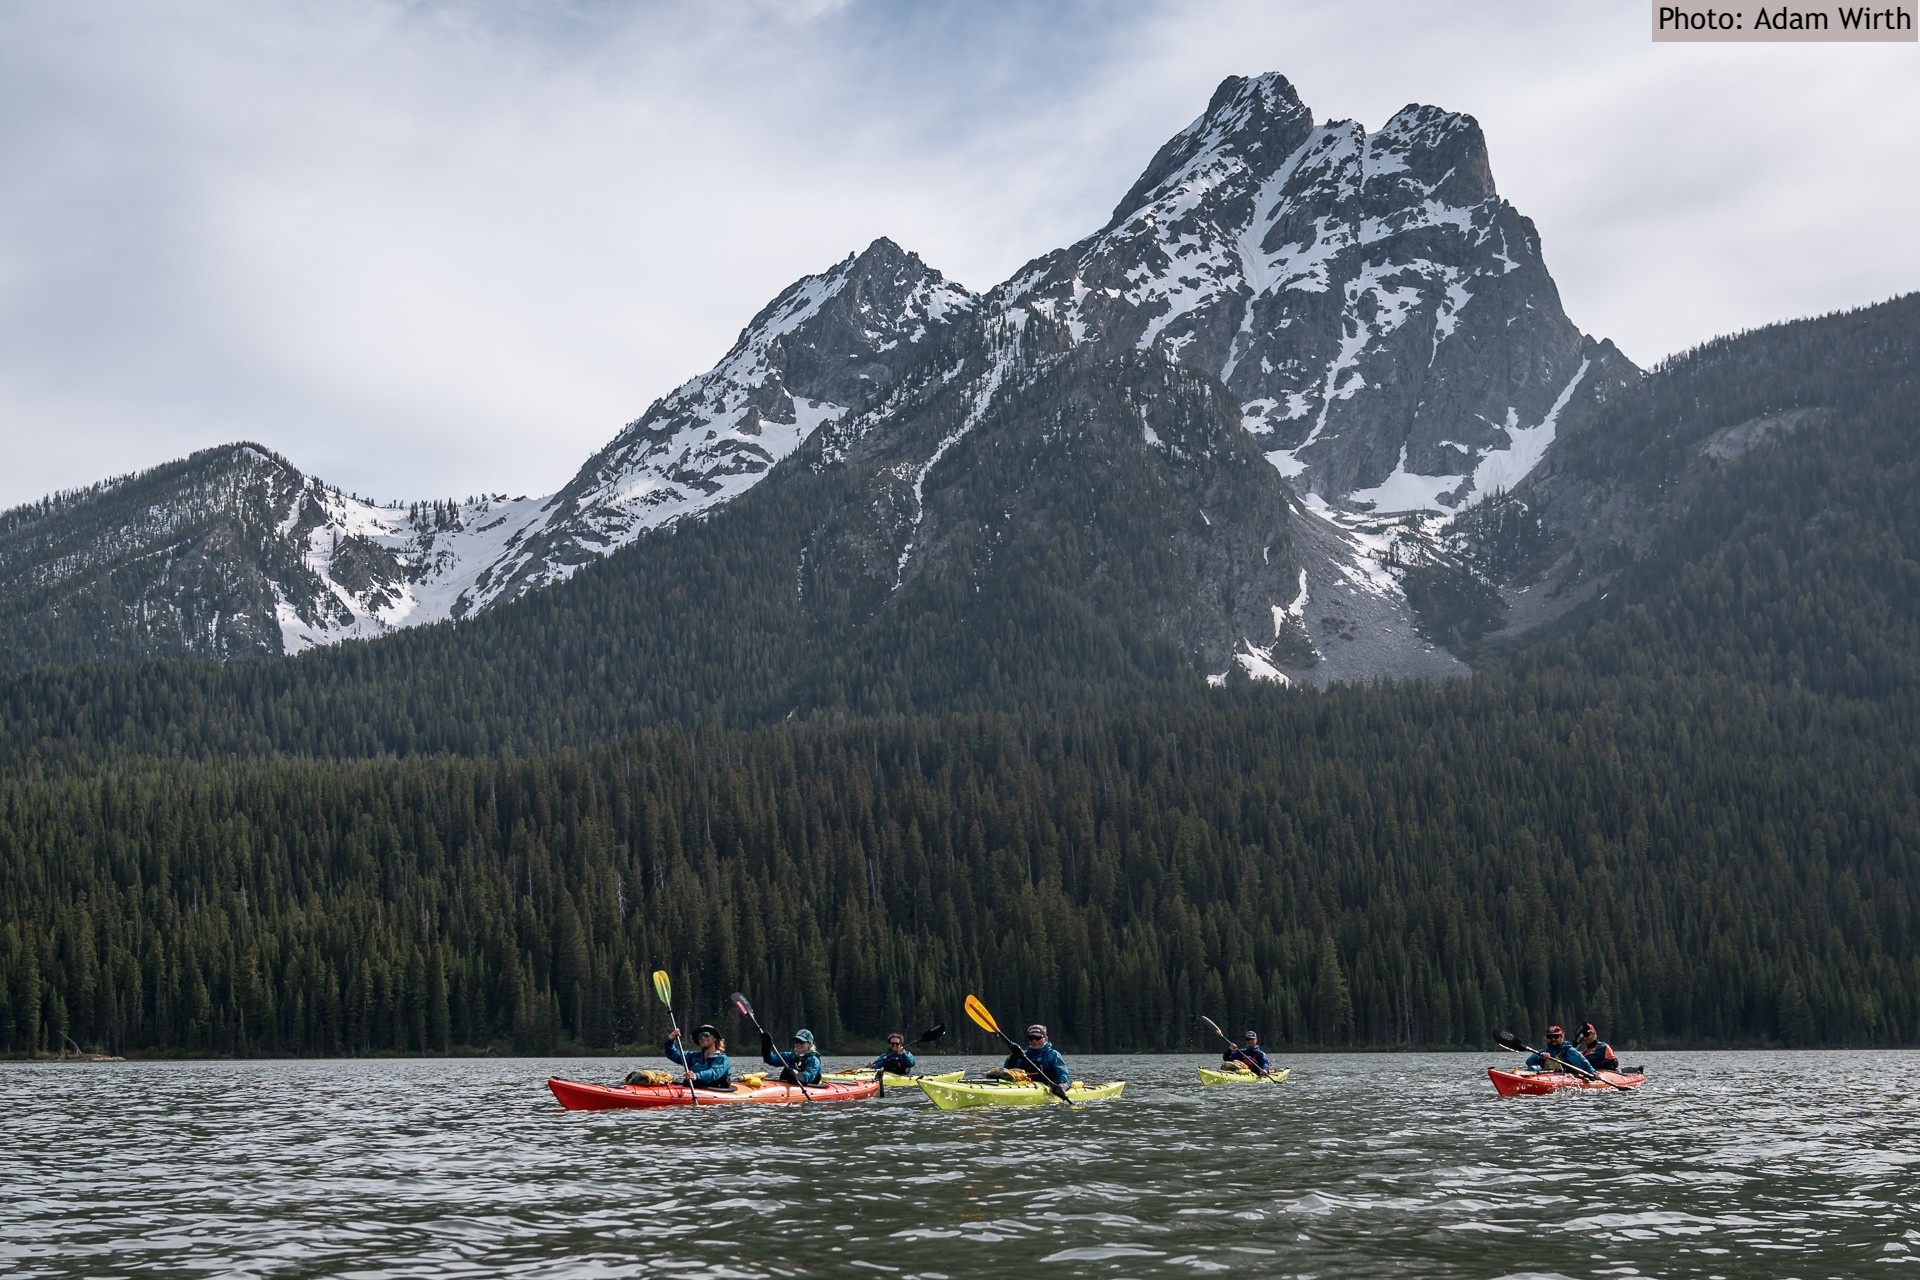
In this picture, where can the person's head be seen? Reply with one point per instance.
(896, 1043)
(706, 1038)
(803, 1041)
(1556, 1036)
(1253, 1039)
(1587, 1033)
(1036, 1034)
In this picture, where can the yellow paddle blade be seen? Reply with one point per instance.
(663, 986)
(981, 1018)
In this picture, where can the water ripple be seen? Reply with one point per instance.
(1803, 1164)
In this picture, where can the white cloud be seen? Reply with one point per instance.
(437, 249)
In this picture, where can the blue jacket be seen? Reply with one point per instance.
(1254, 1057)
(805, 1066)
(1046, 1058)
(899, 1063)
(710, 1071)
(1565, 1053)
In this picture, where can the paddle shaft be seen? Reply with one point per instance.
(1264, 1075)
(740, 1003)
(663, 987)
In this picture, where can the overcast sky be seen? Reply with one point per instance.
(430, 250)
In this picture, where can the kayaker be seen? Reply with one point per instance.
(1598, 1053)
(1250, 1053)
(707, 1064)
(1042, 1055)
(801, 1066)
(1558, 1052)
(896, 1059)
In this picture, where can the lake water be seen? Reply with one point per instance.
(1782, 1165)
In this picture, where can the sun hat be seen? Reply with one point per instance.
(803, 1036)
(706, 1029)
(1036, 1030)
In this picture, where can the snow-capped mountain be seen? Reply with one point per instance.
(276, 561)
(1381, 319)
(827, 343)
(1385, 318)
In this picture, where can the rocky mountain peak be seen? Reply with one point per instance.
(1385, 318)
(1259, 120)
(826, 343)
(1442, 153)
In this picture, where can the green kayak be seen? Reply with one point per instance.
(890, 1080)
(958, 1095)
(1240, 1077)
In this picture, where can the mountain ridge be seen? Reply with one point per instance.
(1382, 319)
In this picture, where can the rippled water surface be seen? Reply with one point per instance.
(1393, 1165)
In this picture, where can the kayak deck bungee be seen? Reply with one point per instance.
(960, 1095)
(1209, 1076)
(1533, 1084)
(577, 1096)
(891, 1080)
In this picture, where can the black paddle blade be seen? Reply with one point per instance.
(932, 1033)
(1508, 1040)
(740, 1003)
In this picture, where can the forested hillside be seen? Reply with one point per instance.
(1681, 862)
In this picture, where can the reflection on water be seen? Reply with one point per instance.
(1779, 1165)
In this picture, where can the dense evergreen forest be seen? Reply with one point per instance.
(1370, 866)
(1690, 813)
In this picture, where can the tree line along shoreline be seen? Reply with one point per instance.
(1364, 868)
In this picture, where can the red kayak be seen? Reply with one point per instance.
(1531, 1084)
(575, 1096)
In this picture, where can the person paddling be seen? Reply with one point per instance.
(707, 1064)
(1042, 1055)
(1598, 1053)
(896, 1059)
(801, 1066)
(1249, 1053)
(1559, 1054)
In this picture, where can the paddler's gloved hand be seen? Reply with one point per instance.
(766, 1045)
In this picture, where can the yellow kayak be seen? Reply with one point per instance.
(1240, 1077)
(890, 1080)
(956, 1095)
